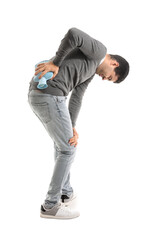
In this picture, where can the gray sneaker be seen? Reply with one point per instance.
(59, 211)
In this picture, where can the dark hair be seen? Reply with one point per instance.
(122, 70)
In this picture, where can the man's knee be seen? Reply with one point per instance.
(69, 150)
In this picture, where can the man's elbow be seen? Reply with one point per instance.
(72, 30)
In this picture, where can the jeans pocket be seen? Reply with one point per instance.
(42, 111)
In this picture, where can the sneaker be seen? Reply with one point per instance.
(59, 211)
(66, 199)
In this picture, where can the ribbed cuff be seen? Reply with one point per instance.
(56, 62)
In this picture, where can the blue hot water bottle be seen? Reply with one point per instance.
(42, 83)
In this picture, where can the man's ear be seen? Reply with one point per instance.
(114, 63)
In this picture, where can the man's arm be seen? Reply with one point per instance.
(75, 100)
(90, 47)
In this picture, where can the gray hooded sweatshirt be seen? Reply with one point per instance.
(78, 57)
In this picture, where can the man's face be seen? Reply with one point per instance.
(108, 74)
(106, 70)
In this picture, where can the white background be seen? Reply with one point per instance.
(116, 170)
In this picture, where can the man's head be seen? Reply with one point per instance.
(114, 68)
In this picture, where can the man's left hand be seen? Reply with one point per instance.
(74, 139)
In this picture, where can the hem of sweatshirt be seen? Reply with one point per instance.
(49, 90)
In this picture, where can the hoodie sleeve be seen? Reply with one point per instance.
(75, 100)
(75, 38)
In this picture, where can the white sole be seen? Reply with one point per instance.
(56, 217)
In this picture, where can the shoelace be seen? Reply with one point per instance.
(64, 207)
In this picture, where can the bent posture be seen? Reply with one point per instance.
(77, 60)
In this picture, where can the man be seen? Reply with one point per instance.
(78, 59)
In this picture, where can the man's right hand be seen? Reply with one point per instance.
(47, 67)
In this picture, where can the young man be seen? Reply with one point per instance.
(78, 59)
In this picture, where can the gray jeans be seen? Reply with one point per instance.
(53, 112)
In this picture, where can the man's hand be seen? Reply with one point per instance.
(46, 67)
(73, 140)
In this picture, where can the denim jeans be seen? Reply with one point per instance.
(53, 112)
